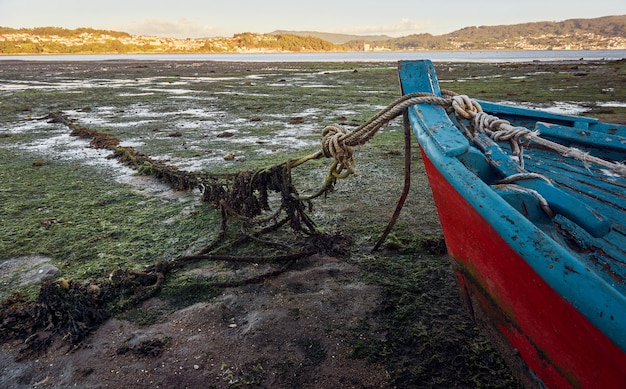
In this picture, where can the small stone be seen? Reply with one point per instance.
(229, 156)
(196, 367)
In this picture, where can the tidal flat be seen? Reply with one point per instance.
(392, 318)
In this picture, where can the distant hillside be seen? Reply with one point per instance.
(575, 34)
(337, 39)
(599, 33)
(54, 40)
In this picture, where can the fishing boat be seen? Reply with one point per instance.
(533, 210)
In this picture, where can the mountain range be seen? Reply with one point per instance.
(605, 32)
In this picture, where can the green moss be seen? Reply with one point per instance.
(422, 320)
(587, 82)
(89, 224)
(182, 290)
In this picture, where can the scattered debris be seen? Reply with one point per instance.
(225, 134)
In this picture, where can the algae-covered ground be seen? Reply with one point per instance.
(357, 319)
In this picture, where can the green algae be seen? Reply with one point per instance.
(90, 225)
(86, 222)
(420, 320)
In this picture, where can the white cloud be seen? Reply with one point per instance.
(403, 27)
(186, 28)
(181, 28)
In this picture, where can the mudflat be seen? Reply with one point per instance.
(74, 219)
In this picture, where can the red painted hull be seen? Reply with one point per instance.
(556, 341)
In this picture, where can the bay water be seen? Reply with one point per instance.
(382, 56)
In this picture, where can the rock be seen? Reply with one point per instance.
(26, 270)
(38, 274)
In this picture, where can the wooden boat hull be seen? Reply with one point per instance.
(559, 345)
(514, 274)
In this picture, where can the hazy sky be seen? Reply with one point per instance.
(210, 18)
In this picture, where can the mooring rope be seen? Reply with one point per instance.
(338, 143)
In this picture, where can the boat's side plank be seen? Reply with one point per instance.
(560, 202)
(558, 342)
(578, 137)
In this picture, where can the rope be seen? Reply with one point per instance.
(522, 176)
(338, 143)
(542, 201)
(502, 130)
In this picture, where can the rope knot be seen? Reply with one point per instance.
(465, 106)
(333, 146)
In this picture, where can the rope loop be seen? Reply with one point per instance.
(332, 142)
(500, 129)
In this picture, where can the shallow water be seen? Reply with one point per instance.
(438, 56)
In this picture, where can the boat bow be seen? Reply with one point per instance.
(540, 236)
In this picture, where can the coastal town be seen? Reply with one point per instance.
(596, 34)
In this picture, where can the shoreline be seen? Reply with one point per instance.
(487, 56)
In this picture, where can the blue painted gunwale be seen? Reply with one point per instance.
(580, 278)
